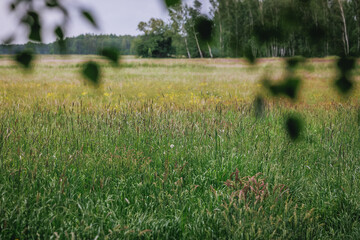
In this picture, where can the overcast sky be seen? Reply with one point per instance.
(114, 17)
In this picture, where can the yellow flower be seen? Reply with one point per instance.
(50, 95)
(84, 93)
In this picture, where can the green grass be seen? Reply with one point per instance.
(144, 166)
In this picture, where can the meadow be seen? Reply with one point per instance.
(172, 149)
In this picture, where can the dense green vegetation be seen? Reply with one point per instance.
(268, 28)
(171, 149)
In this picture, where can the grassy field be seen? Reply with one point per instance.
(171, 149)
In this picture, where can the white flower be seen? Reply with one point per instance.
(172, 146)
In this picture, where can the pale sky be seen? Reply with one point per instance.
(113, 16)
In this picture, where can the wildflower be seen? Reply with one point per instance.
(84, 93)
(172, 146)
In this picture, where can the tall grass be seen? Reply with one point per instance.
(174, 153)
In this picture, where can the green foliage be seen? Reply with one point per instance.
(59, 32)
(294, 127)
(204, 28)
(259, 106)
(294, 62)
(30, 14)
(156, 41)
(111, 54)
(311, 28)
(344, 83)
(89, 17)
(157, 46)
(249, 55)
(24, 59)
(346, 64)
(172, 3)
(52, 3)
(32, 20)
(289, 87)
(91, 71)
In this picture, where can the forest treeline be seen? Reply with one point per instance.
(238, 28)
(83, 44)
(257, 28)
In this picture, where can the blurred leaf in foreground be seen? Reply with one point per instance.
(59, 32)
(289, 87)
(344, 83)
(111, 54)
(346, 64)
(249, 55)
(204, 28)
(266, 33)
(293, 62)
(24, 58)
(294, 126)
(9, 40)
(317, 33)
(259, 106)
(33, 21)
(89, 17)
(52, 3)
(91, 71)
